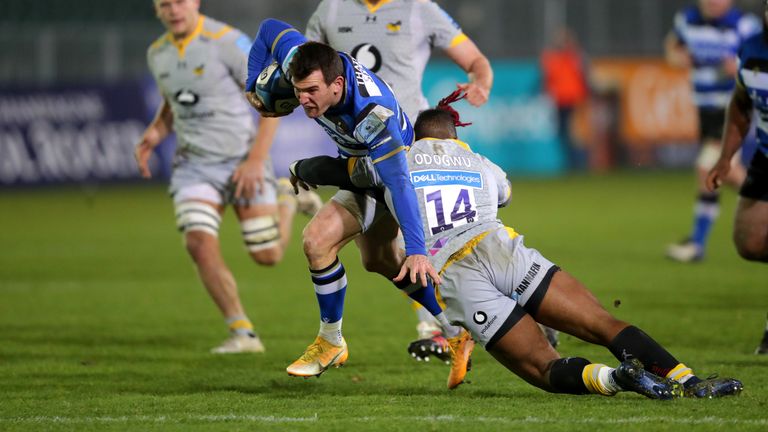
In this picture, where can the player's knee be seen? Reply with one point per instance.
(268, 257)
(317, 241)
(199, 244)
(752, 249)
(261, 236)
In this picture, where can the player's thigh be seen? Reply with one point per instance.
(750, 230)
(524, 350)
(379, 248)
(570, 307)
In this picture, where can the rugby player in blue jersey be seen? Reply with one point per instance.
(360, 113)
(706, 39)
(750, 231)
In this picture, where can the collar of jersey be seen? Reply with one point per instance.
(462, 144)
(373, 8)
(181, 45)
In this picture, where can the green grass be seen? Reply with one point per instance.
(104, 326)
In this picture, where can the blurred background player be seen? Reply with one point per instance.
(394, 39)
(706, 38)
(564, 71)
(750, 230)
(200, 68)
(360, 113)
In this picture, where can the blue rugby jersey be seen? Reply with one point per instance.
(367, 122)
(710, 42)
(753, 76)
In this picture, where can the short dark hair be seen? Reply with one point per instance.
(312, 56)
(435, 123)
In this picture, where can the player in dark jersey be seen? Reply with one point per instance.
(706, 38)
(750, 231)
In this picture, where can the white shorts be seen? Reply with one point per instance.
(212, 182)
(490, 289)
(365, 208)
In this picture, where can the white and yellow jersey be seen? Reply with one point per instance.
(393, 39)
(202, 78)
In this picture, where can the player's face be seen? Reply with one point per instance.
(714, 8)
(315, 96)
(178, 16)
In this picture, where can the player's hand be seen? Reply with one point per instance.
(717, 174)
(419, 267)
(476, 94)
(299, 183)
(143, 151)
(249, 179)
(258, 106)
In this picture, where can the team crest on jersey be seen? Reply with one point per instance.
(199, 70)
(186, 97)
(368, 55)
(394, 27)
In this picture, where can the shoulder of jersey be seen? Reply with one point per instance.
(158, 43)
(753, 43)
(215, 30)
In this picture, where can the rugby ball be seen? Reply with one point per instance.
(274, 91)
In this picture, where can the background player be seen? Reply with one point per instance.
(750, 231)
(200, 69)
(394, 39)
(361, 114)
(706, 38)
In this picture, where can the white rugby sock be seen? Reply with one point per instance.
(331, 332)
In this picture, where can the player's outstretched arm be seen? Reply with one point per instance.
(467, 56)
(737, 121)
(161, 127)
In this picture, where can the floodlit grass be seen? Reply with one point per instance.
(104, 326)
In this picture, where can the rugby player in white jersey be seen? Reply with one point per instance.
(200, 69)
(705, 39)
(394, 39)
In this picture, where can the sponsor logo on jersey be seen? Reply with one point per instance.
(394, 27)
(444, 160)
(345, 29)
(186, 97)
(368, 55)
(532, 272)
(479, 317)
(488, 324)
(426, 178)
(164, 75)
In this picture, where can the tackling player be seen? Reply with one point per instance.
(199, 66)
(360, 113)
(498, 289)
(706, 38)
(750, 231)
(394, 39)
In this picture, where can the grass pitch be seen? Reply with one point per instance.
(104, 326)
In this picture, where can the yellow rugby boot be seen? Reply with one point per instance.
(461, 350)
(318, 357)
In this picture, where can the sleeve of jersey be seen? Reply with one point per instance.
(504, 186)
(388, 156)
(234, 54)
(275, 40)
(445, 32)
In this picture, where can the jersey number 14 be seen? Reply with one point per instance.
(459, 201)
